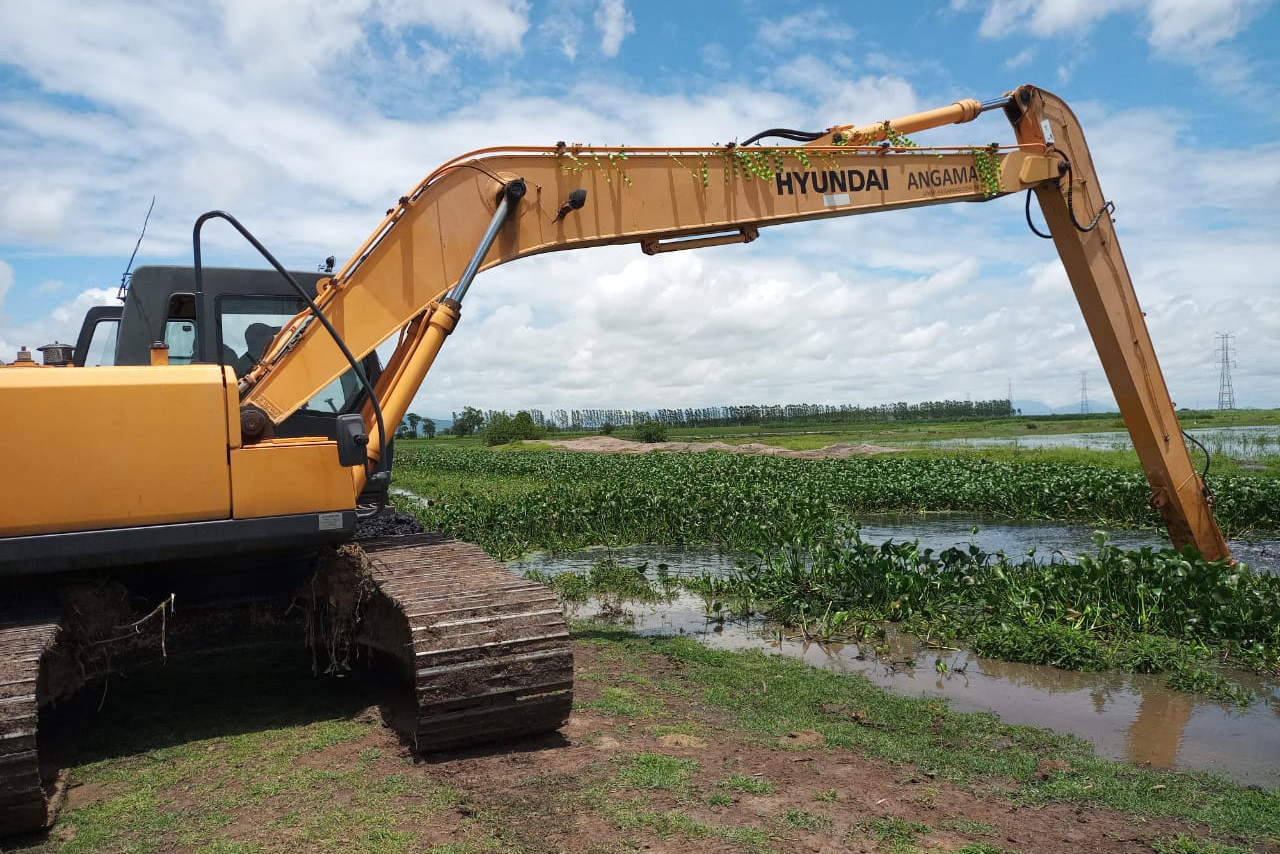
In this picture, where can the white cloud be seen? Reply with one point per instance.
(492, 24)
(1188, 31)
(614, 22)
(1019, 59)
(177, 101)
(61, 325)
(6, 282)
(563, 26)
(1186, 27)
(817, 24)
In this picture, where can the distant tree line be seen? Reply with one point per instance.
(794, 414)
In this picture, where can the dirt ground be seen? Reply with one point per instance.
(872, 806)
(610, 445)
(620, 777)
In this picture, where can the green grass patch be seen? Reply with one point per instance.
(801, 820)
(1182, 844)
(657, 771)
(747, 785)
(625, 703)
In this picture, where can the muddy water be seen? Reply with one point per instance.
(942, 530)
(1129, 717)
(1250, 442)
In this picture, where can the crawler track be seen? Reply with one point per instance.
(27, 803)
(489, 652)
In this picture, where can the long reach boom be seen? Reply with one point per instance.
(411, 274)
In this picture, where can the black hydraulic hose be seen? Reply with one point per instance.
(1107, 207)
(315, 311)
(1065, 165)
(786, 133)
(1204, 474)
(1031, 225)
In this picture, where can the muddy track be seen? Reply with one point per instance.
(489, 652)
(27, 803)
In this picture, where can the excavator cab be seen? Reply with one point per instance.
(241, 312)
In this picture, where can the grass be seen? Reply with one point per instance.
(747, 785)
(657, 771)
(795, 696)
(258, 756)
(818, 434)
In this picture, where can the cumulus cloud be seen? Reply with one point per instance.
(178, 101)
(6, 282)
(816, 24)
(492, 24)
(1188, 31)
(614, 22)
(60, 325)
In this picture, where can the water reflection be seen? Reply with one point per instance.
(1250, 442)
(1130, 717)
(939, 531)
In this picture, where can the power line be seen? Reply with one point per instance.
(1226, 393)
(1084, 393)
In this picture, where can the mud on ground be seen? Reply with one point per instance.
(610, 445)
(648, 762)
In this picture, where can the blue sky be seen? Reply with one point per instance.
(307, 118)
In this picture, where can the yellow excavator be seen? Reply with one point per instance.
(220, 436)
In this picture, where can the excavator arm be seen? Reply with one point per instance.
(495, 205)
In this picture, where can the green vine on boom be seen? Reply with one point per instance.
(615, 162)
(987, 162)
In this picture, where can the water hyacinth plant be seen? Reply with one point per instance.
(1146, 610)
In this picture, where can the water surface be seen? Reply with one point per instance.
(1248, 442)
(1131, 717)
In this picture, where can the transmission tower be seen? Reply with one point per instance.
(1226, 394)
(1084, 392)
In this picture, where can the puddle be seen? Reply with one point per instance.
(1130, 717)
(1248, 442)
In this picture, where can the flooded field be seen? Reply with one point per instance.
(1128, 717)
(943, 530)
(1237, 442)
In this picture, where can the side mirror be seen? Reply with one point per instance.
(353, 441)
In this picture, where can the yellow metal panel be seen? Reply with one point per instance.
(112, 447)
(233, 406)
(289, 476)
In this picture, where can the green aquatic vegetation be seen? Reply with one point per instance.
(1146, 610)
(1052, 644)
(606, 578)
(515, 502)
(1202, 681)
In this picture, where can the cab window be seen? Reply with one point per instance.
(180, 329)
(247, 325)
(102, 346)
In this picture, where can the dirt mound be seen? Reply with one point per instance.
(610, 445)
